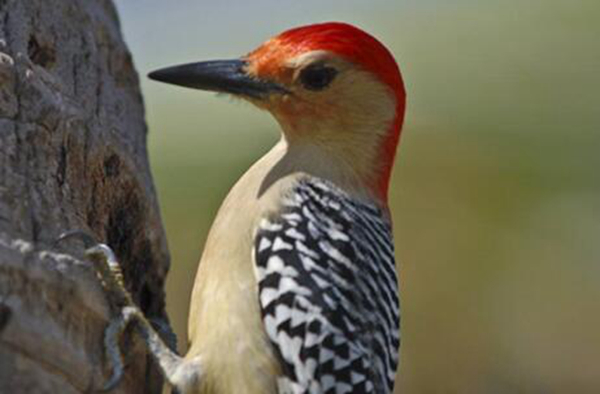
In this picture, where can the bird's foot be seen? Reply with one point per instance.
(107, 267)
(111, 275)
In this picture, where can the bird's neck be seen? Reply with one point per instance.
(348, 169)
(355, 149)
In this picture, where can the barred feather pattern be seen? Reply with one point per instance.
(328, 292)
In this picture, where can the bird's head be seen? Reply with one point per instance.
(331, 86)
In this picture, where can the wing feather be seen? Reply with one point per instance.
(328, 292)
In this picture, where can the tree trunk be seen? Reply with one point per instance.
(72, 156)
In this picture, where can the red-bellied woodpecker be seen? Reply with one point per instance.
(297, 287)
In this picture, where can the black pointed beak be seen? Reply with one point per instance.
(227, 76)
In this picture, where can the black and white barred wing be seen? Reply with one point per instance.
(328, 292)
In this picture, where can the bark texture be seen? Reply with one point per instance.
(72, 156)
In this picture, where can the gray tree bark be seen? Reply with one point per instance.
(72, 156)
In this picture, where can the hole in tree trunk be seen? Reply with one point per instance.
(41, 54)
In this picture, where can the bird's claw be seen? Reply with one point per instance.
(111, 275)
(108, 268)
(81, 235)
(111, 345)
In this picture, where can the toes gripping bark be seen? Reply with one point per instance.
(180, 373)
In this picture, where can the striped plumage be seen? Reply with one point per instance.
(328, 291)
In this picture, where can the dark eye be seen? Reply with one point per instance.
(317, 77)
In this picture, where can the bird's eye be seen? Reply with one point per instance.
(317, 77)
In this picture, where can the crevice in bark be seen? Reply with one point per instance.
(41, 53)
(5, 314)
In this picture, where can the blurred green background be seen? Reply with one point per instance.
(496, 191)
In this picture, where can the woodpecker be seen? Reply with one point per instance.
(297, 288)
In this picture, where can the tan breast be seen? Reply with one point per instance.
(225, 327)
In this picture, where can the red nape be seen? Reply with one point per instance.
(361, 48)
